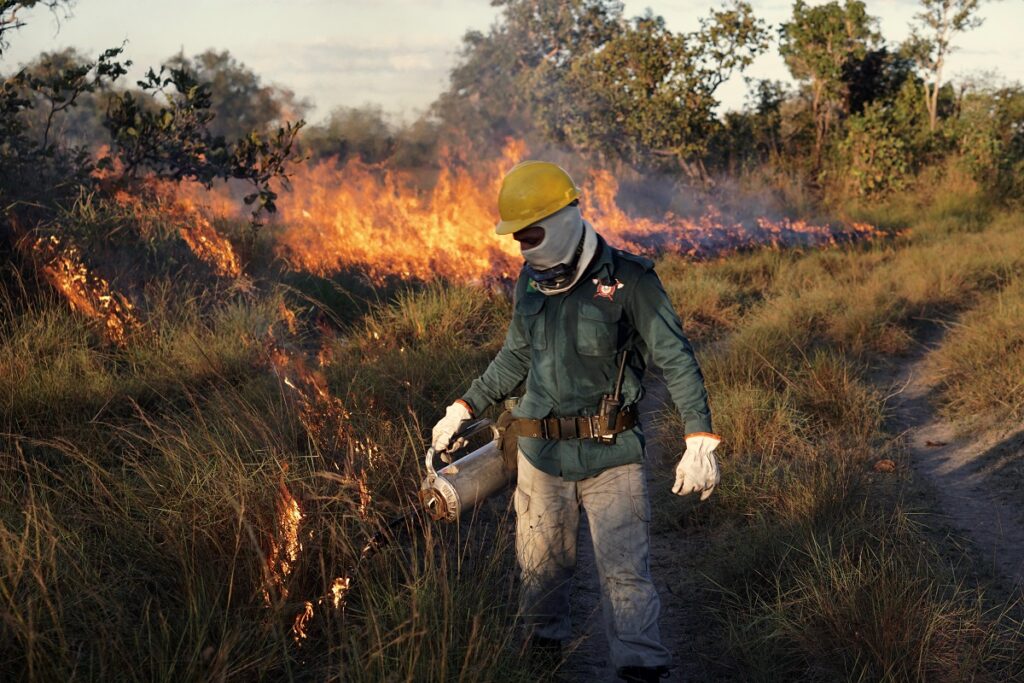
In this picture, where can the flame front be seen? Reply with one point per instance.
(380, 221)
(324, 418)
(322, 414)
(373, 218)
(186, 206)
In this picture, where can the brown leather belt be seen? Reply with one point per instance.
(583, 427)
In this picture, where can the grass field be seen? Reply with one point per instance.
(147, 529)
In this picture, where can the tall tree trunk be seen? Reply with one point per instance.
(819, 131)
(933, 104)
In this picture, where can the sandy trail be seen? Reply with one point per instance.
(972, 477)
(978, 487)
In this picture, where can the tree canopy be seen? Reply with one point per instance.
(238, 97)
(819, 44)
(580, 75)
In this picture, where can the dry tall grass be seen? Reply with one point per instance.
(823, 574)
(142, 489)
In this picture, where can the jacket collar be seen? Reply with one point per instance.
(602, 266)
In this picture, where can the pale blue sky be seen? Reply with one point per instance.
(397, 52)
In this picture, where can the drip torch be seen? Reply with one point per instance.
(461, 485)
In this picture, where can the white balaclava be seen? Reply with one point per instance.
(563, 231)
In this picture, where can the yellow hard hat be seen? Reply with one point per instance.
(533, 190)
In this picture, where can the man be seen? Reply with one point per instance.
(582, 309)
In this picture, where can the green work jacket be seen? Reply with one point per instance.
(566, 345)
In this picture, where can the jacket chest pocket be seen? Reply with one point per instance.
(531, 308)
(597, 329)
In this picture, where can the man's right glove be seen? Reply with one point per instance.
(455, 418)
(697, 471)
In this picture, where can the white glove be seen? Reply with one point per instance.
(697, 470)
(455, 417)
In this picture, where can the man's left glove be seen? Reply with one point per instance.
(455, 418)
(697, 471)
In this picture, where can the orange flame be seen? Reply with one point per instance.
(284, 551)
(206, 243)
(374, 218)
(339, 591)
(86, 292)
(377, 220)
(301, 619)
(365, 498)
(284, 545)
(186, 206)
(323, 415)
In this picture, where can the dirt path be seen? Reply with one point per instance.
(976, 483)
(965, 474)
(671, 567)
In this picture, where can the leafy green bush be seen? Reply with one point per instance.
(990, 131)
(875, 159)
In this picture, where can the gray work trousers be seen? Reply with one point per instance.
(619, 513)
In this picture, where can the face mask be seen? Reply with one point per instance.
(563, 231)
(556, 276)
(564, 276)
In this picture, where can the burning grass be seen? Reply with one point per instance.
(214, 531)
(87, 293)
(197, 506)
(385, 223)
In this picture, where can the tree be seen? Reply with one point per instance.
(61, 107)
(990, 135)
(580, 75)
(754, 135)
(649, 93)
(36, 166)
(503, 75)
(173, 139)
(352, 131)
(818, 44)
(875, 157)
(161, 129)
(240, 101)
(932, 40)
(876, 77)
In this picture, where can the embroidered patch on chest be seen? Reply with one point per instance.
(607, 291)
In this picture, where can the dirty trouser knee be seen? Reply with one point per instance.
(618, 513)
(547, 522)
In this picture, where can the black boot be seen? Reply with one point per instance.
(643, 674)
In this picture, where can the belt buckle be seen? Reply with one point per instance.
(544, 433)
(567, 428)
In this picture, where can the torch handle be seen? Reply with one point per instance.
(469, 430)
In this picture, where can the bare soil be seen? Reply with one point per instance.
(976, 481)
